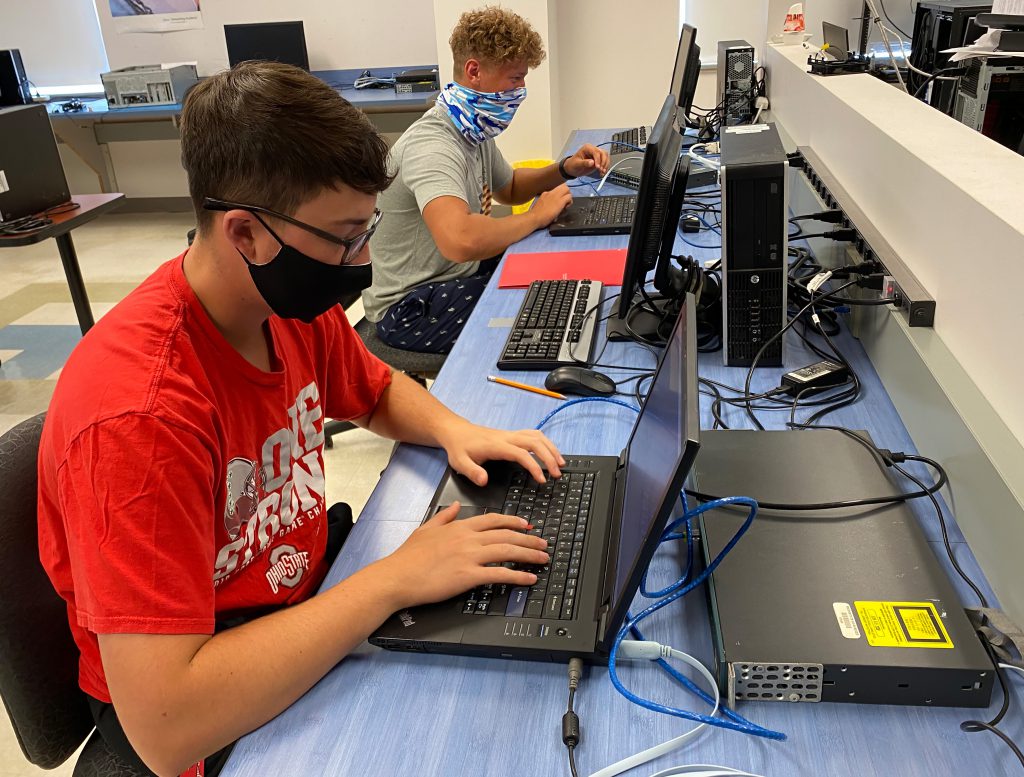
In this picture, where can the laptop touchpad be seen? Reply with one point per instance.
(465, 511)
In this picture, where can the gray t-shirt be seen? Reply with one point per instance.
(430, 160)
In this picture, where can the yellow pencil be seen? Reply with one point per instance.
(525, 387)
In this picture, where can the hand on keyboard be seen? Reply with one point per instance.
(468, 446)
(445, 557)
(550, 204)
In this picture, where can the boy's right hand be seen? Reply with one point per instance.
(445, 557)
(550, 204)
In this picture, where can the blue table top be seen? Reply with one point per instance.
(381, 713)
(369, 100)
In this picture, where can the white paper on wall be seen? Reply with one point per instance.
(155, 15)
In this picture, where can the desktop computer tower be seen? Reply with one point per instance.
(14, 86)
(990, 99)
(755, 193)
(735, 81)
(939, 26)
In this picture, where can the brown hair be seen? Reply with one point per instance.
(495, 36)
(268, 134)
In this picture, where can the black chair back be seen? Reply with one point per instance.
(38, 657)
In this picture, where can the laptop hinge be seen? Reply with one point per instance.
(611, 559)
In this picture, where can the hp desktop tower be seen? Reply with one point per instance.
(990, 99)
(755, 201)
(736, 81)
(14, 87)
(939, 26)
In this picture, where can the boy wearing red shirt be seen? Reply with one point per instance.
(181, 466)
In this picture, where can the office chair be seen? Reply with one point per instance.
(38, 657)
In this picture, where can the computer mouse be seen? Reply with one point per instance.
(579, 380)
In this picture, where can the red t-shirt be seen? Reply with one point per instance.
(178, 483)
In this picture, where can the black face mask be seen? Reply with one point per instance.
(298, 286)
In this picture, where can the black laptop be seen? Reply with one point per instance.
(604, 518)
(31, 174)
(613, 214)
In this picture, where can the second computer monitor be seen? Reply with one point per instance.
(653, 205)
(275, 41)
(686, 71)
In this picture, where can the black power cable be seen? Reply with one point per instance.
(974, 726)
(570, 720)
(938, 73)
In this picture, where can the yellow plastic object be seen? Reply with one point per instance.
(529, 163)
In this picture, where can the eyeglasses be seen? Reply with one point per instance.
(353, 245)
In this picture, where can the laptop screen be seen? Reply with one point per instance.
(659, 455)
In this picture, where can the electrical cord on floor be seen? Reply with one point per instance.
(975, 726)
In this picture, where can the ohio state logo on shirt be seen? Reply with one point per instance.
(280, 495)
(287, 565)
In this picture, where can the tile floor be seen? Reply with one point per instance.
(38, 329)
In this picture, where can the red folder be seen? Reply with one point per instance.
(606, 266)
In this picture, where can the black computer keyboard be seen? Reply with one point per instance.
(632, 138)
(553, 328)
(559, 511)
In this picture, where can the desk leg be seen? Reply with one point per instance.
(69, 259)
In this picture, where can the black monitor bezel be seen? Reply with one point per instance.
(665, 141)
(687, 57)
(289, 25)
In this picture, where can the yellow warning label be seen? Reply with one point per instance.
(902, 624)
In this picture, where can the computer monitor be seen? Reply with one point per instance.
(274, 41)
(654, 217)
(686, 71)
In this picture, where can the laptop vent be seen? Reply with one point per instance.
(776, 682)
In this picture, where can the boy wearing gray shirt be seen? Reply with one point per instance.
(437, 245)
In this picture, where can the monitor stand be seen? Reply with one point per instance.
(643, 321)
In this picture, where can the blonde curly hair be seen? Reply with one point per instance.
(495, 36)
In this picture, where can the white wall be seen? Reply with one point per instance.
(339, 35)
(716, 20)
(59, 40)
(620, 76)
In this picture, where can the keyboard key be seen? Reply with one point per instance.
(534, 609)
(517, 600)
(567, 605)
(553, 606)
(482, 607)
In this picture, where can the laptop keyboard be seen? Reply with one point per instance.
(611, 209)
(634, 138)
(559, 511)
